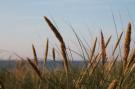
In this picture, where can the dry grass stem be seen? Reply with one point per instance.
(132, 59)
(62, 43)
(35, 55)
(113, 84)
(127, 44)
(35, 68)
(93, 50)
(107, 42)
(117, 43)
(103, 49)
(46, 51)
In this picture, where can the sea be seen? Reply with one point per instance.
(10, 64)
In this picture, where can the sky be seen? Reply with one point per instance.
(22, 23)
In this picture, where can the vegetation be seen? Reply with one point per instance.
(101, 71)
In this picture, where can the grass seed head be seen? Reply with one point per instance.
(103, 49)
(46, 50)
(127, 44)
(113, 84)
(35, 55)
(62, 43)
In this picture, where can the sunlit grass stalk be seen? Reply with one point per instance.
(103, 49)
(127, 44)
(113, 84)
(126, 48)
(62, 45)
(131, 60)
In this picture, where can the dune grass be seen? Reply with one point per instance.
(100, 72)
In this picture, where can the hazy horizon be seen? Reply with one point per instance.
(22, 23)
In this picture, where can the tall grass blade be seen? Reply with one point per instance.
(103, 49)
(62, 43)
(46, 51)
(117, 43)
(93, 49)
(108, 40)
(35, 55)
(35, 68)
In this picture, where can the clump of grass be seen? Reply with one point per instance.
(100, 71)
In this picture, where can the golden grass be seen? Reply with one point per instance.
(103, 49)
(100, 71)
(131, 59)
(113, 84)
(62, 43)
(127, 44)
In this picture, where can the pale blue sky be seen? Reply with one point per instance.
(22, 23)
